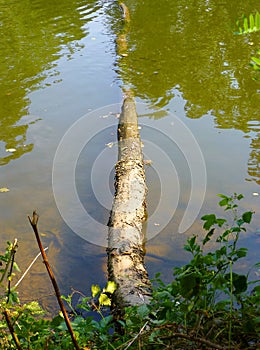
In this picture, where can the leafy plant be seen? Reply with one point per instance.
(208, 298)
(209, 304)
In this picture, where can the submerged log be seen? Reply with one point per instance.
(125, 236)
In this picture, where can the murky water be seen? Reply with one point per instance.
(60, 61)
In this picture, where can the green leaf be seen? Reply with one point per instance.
(247, 216)
(257, 20)
(223, 202)
(188, 285)
(240, 283)
(252, 22)
(16, 267)
(95, 290)
(241, 252)
(143, 311)
(220, 222)
(208, 236)
(210, 220)
(56, 321)
(256, 60)
(245, 25)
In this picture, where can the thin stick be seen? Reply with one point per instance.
(136, 336)
(33, 221)
(28, 268)
(11, 329)
(195, 339)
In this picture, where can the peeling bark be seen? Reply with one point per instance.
(125, 236)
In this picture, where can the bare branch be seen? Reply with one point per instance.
(34, 221)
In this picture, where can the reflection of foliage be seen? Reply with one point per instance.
(249, 25)
(189, 49)
(33, 36)
(256, 62)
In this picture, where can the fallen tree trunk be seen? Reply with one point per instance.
(125, 236)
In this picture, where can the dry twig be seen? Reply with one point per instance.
(28, 268)
(33, 221)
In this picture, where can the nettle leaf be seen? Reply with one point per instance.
(210, 220)
(247, 216)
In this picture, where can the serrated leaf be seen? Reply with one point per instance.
(210, 220)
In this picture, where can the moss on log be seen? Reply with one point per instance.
(125, 236)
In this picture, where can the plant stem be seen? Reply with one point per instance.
(231, 304)
(11, 329)
(33, 221)
(13, 251)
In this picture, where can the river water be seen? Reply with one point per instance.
(64, 69)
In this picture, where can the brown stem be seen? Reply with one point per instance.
(33, 221)
(195, 339)
(11, 329)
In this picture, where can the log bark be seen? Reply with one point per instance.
(125, 236)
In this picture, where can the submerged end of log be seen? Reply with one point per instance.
(125, 237)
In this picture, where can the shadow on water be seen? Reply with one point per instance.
(190, 49)
(34, 35)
